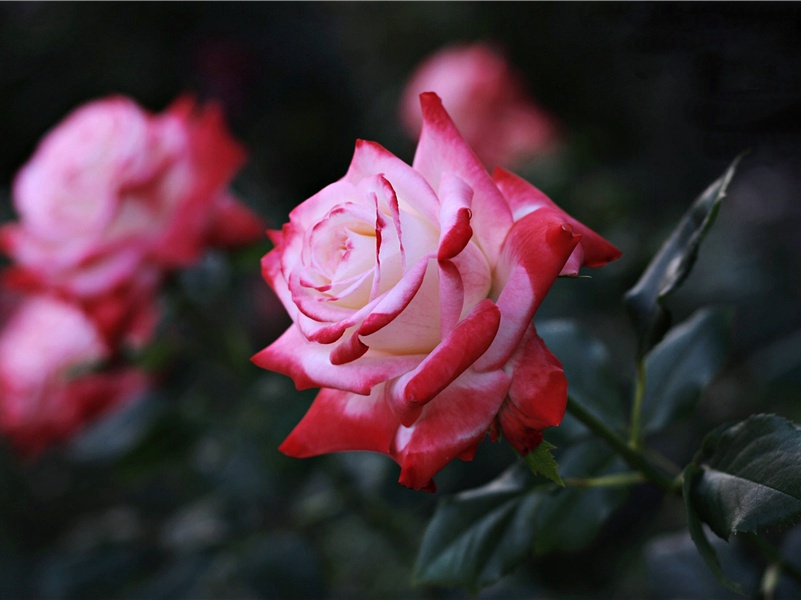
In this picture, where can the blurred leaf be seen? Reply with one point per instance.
(480, 535)
(540, 461)
(749, 476)
(672, 263)
(680, 367)
(282, 566)
(177, 579)
(791, 553)
(675, 569)
(95, 573)
(118, 432)
(691, 475)
(591, 380)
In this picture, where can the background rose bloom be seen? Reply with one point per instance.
(113, 190)
(487, 101)
(48, 390)
(412, 290)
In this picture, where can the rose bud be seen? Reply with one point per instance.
(486, 99)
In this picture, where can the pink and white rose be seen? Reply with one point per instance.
(487, 100)
(48, 386)
(114, 190)
(412, 291)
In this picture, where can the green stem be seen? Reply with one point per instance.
(635, 434)
(770, 579)
(616, 480)
(633, 458)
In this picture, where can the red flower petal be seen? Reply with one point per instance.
(537, 397)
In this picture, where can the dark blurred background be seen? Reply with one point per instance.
(186, 495)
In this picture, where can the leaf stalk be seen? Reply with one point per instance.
(634, 458)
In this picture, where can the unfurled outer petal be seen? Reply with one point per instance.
(534, 253)
(443, 150)
(524, 199)
(341, 421)
(537, 397)
(309, 365)
(451, 426)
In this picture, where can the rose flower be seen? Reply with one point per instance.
(487, 100)
(412, 291)
(48, 386)
(115, 196)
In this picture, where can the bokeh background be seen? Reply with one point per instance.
(185, 494)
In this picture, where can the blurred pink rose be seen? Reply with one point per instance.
(412, 291)
(113, 190)
(486, 99)
(48, 388)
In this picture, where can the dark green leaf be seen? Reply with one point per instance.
(480, 535)
(571, 519)
(750, 476)
(680, 367)
(691, 476)
(540, 461)
(672, 264)
(590, 377)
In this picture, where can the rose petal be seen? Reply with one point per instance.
(271, 272)
(412, 189)
(524, 198)
(455, 197)
(450, 426)
(535, 251)
(451, 296)
(339, 421)
(537, 398)
(443, 150)
(309, 365)
(396, 300)
(454, 355)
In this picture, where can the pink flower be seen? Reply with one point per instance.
(114, 190)
(48, 386)
(486, 99)
(412, 291)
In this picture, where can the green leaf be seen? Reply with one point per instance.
(480, 535)
(692, 474)
(681, 366)
(570, 519)
(750, 476)
(590, 377)
(540, 461)
(671, 265)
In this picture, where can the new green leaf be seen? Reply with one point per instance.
(541, 462)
